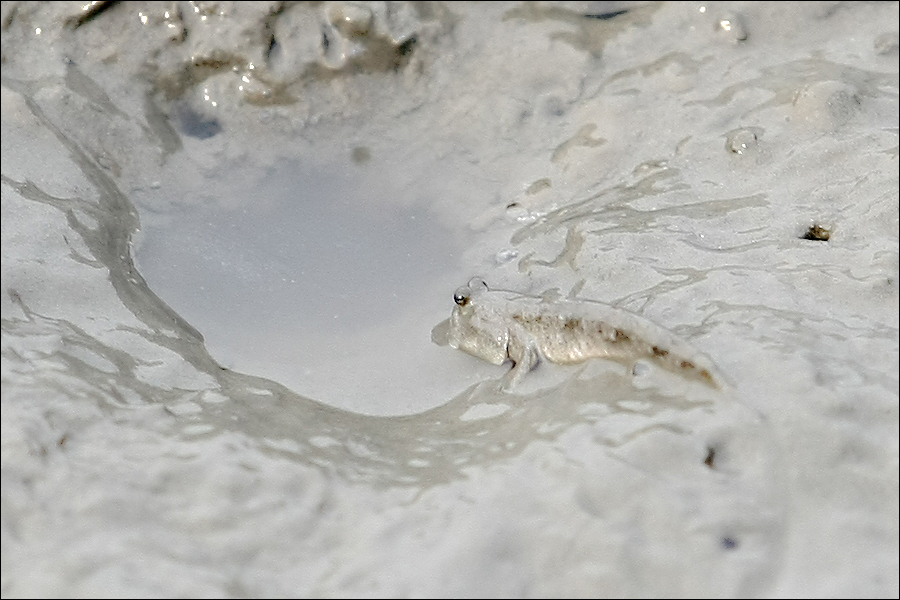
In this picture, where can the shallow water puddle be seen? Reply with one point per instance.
(310, 279)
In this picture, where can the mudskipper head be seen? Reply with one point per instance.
(475, 326)
(450, 331)
(463, 295)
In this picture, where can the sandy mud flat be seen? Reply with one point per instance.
(231, 232)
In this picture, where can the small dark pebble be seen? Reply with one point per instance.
(817, 233)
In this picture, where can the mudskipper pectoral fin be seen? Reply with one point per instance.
(524, 353)
(440, 334)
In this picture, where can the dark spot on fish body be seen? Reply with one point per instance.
(571, 324)
(657, 351)
(729, 543)
(620, 336)
(710, 457)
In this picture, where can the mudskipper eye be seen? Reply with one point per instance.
(477, 284)
(461, 298)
